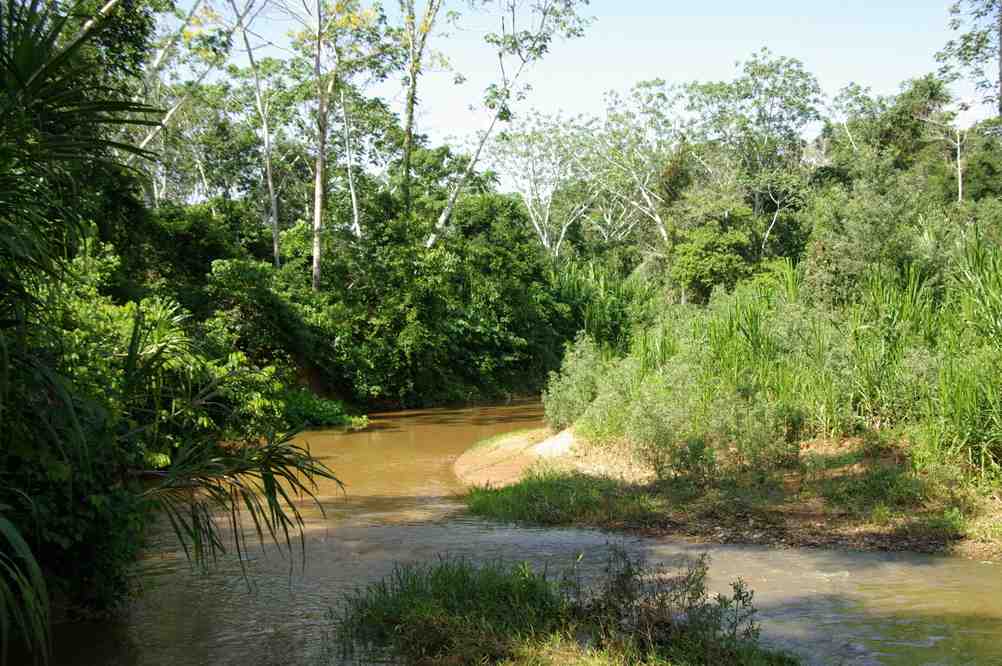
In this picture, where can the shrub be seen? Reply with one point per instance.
(455, 609)
(303, 408)
(574, 387)
(671, 614)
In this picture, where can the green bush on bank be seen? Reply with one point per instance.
(303, 409)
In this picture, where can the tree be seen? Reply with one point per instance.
(976, 53)
(208, 45)
(947, 130)
(415, 36)
(633, 146)
(520, 42)
(760, 116)
(263, 107)
(338, 39)
(539, 159)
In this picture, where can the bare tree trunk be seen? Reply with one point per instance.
(356, 222)
(960, 168)
(446, 215)
(202, 177)
(409, 105)
(262, 113)
(272, 196)
(318, 202)
(319, 176)
(999, 10)
(417, 37)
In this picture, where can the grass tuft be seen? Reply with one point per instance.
(550, 497)
(454, 611)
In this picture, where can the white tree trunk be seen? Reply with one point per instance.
(960, 167)
(262, 113)
(446, 215)
(356, 222)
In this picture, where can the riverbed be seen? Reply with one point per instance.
(398, 505)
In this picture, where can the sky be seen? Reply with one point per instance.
(875, 43)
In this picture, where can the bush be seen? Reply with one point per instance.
(671, 614)
(303, 408)
(571, 390)
(452, 609)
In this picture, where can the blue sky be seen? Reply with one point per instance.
(876, 43)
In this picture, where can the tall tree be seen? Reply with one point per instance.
(262, 106)
(415, 36)
(760, 116)
(539, 158)
(631, 149)
(523, 39)
(337, 38)
(977, 51)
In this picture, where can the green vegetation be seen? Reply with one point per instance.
(884, 408)
(208, 242)
(548, 497)
(455, 611)
(304, 409)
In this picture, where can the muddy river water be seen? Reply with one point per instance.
(830, 607)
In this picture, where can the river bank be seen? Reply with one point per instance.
(839, 495)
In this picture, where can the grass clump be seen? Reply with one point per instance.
(452, 608)
(552, 497)
(455, 611)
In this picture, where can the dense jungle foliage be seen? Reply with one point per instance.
(207, 245)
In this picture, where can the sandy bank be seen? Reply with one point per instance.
(502, 460)
(505, 459)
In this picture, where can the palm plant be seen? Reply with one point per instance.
(57, 123)
(49, 126)
(24, 600)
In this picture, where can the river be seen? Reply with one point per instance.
(830, 607)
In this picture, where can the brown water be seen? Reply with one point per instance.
(830, 607)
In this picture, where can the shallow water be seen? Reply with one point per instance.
(830, 607)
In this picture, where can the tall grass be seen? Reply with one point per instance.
(762, 365)
(450, 608)
(607, 304)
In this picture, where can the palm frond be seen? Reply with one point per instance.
(24, 599)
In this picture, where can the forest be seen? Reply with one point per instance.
(216, 231)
